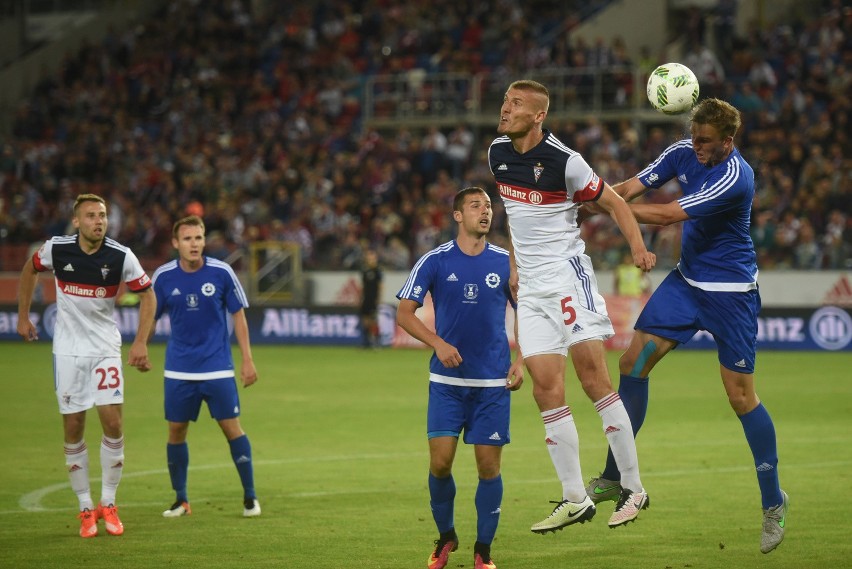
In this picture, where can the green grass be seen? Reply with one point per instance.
(341, 461)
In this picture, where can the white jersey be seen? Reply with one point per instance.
(86, 288)
(542, 190)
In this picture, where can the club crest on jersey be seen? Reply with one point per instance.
(537, 170)
(105, 271)
(208, 289)
(471, 291)
(492, 280)
(192, 300)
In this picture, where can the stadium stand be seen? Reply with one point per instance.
(255, 121)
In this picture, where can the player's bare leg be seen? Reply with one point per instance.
(589, 360)
(635, 365)
(563, 443)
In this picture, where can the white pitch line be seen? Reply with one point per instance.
(31, 502)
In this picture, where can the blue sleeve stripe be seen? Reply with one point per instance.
(238, 287)
(686, 143)
(171, 265)
(498, 249)
(412, 278)
(725, 183)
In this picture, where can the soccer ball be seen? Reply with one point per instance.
(672, 88)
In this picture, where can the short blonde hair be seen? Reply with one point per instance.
(82, 198)
(722, 116)
(188, 220)
(534, 86)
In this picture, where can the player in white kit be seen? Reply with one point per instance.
(89, 269)
(542, 182)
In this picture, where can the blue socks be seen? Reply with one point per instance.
(177, 457)
(634, 394)
(241, 453)
(442, 492)
(760, 434)
(178, 461)
(489, 496)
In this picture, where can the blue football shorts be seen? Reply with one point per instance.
(481, 412)
(677, 310)
(183, 399)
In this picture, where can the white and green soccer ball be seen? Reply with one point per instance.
(672, 88)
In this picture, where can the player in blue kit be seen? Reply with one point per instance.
(713, 288)
(198, 293)
(470, 372)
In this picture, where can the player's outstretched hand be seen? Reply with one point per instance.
(645, 260)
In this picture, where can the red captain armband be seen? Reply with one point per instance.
(591, 192)
(139, 284)
(37, 264)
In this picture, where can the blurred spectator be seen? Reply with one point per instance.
(707, 68)
(836, 242)
(806, 253)
(215, 246)
(256, 121)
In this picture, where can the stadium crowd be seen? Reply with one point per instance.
(253, 122)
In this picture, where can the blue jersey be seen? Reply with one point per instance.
(717, 253)
(469, 295)
(198, 305)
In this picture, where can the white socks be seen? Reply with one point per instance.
(77, 463)
(112, 465)
(619, 433)
(563, 444)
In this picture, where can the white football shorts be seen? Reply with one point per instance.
(559, 308)
(84, 382)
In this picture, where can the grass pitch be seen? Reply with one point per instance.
(341, 461)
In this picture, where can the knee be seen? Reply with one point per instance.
(440, 468)
(742, 402)
(177, 433)
(74, 428)
(549, 393)
(488, 471)
(626, 363)
(112, 427)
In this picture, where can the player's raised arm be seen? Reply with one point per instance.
(630, 189)
(623, 217)
(659, 214)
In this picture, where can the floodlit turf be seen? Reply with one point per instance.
(341, 461)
